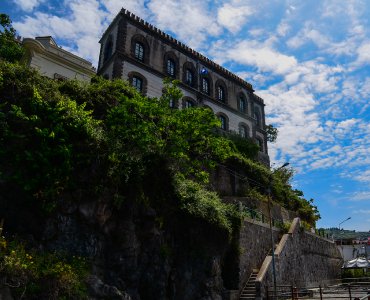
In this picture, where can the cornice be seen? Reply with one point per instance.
(32, 44)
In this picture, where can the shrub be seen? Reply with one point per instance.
(36, 274)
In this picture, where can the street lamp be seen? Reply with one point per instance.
(341, 240)
(344, 221)
(271, 231)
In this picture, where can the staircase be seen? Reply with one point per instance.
(249, 290)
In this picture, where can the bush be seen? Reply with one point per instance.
(37, 275)
(196, 201)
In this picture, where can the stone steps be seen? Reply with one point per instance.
(249, 290)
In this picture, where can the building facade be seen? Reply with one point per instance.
(134, 50)
(43, 54)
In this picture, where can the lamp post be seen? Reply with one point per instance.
(341, 240)
(271, 231)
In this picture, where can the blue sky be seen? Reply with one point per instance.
(309, 60)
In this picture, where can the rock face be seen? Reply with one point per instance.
(138, 254)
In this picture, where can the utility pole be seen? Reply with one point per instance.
(271, 231)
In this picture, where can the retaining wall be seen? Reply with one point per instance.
(302, 259)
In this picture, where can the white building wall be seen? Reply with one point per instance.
(48, 67)
(234, 119)
(350, 252)
(155, 84)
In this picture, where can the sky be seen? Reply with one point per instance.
(308, 60)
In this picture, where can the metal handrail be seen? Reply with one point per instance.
(259, 216)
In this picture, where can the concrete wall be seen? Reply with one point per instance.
(349, 252)
(302, 259)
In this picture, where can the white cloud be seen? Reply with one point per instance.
(259, 55)
(135, 6)
(28, 5)
(360, 196)
(192, 21)
(283, 29)
(233, 17)
(82, 28)
(363, 54)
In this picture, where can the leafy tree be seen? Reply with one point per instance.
(272, 133)
(10, 49)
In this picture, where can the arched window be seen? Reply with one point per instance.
(189, 74)
(257, 117)
(140, 48)
(224, 121)
(108, 49)
(171, 67)
(189, 77)
(138, 81)
(242, 131)
(242, 103)
(188, 102)
(221, 91)
(139, 51)
(205, 85)
(172, 103)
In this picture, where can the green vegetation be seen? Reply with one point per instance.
(10, 48)
(355, 273)
(105, 138)
(206, 205)
(272, 133)
(41, 275)
(55, 132)
(337, 233)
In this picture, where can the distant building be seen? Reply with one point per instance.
(43, 54)
(135, 50)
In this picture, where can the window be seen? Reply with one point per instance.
(137, 83)
(140, 48)
(189, 77)
(139, 51)
(108, 49)
(242, 104)
(223, 122)
(220, 93)
(205, 85)
(189, 74)
(172, 103)
(170, 67)
(242, 131)
(189, 103)
(257, 117)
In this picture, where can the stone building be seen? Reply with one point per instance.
(43, 54)
(135, 50)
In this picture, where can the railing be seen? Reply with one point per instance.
(259, 216)
(354, 291)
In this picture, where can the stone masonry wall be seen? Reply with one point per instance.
(302, 259)
(255, 244)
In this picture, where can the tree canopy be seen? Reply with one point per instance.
(10, 48)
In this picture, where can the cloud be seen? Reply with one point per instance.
(192, 21)
(233, 17)
(259, 55)
(360, 196)
(135, 6)
(82, 28)
(363, 54)
(28, 5)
